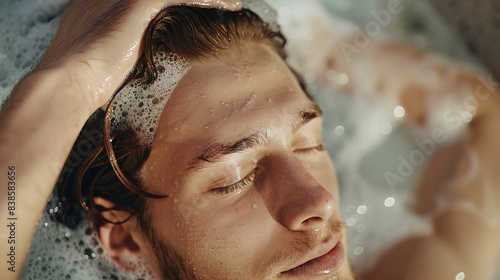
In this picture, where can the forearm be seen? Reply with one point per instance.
(38, 126)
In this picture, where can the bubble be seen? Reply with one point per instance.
(358, 251)
(342, 79)
(339, 130)
(89, 254)
(399, 112)
(310, 77)
(312, 89)
(362, 209)
(386, 128)
(351, 222)
(389, 202)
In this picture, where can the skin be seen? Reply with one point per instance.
(253, 232)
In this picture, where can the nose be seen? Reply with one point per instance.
(294, 198)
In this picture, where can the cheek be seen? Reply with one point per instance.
(234, 234)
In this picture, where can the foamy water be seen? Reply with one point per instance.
(365, 129)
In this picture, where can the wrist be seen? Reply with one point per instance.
(53, 87)
(90, 82)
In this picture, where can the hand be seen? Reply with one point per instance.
(98, 41)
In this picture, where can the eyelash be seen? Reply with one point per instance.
(240, 185)
(245, 182)
(318, 148)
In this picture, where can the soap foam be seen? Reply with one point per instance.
(60, 252)
(138, 106)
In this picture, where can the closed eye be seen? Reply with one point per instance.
(309, 150)
(238, 186)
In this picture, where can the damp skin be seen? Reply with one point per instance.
(251, 232)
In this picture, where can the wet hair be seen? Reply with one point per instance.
(193, 33)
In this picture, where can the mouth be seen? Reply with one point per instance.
(324, 259)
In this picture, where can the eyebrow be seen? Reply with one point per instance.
(215, 152)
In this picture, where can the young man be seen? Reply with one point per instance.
(245, 188)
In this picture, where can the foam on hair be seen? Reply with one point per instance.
(138, 106)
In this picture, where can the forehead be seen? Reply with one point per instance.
(222, 94)
(222, 101)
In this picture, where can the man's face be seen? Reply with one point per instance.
(252, 192)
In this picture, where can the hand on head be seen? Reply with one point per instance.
(98, 42)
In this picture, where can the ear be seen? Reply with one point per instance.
(124, 242)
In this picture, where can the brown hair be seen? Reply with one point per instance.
(193, 33)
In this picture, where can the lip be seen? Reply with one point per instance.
(324, 259)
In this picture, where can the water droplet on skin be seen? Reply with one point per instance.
(460, 276)
(206, 127)
(254, 206)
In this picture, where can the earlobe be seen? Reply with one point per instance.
(122, 241)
